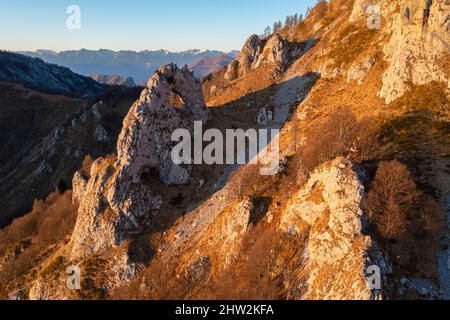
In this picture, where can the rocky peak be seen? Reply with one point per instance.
(275, 51)
(114, 204)
(257, 52)
(250, 51)
(145, 144)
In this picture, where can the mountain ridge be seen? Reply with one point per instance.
(139, 65)
(360, 193)
(37, 74)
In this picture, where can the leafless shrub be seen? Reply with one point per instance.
(339, 134)
(342, 134)
(266, 262)
(50, 222)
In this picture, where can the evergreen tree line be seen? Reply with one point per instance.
(290, 21)
(293, 20)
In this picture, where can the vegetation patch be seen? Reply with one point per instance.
(351, 42)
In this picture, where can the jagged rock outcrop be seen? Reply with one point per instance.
(337, 253)
(359, 71)
(144, 143)
(114, 203)
(250, 52)
(275, 51)
(110, 209)
(257, 52)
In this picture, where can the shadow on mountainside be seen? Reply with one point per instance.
(46, 137)
(206, 180)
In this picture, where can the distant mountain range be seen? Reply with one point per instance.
(34, 73)
(114, 80)
(209, 65)
(138, 65)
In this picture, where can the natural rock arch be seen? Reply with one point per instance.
(145, 140)
(114, 203)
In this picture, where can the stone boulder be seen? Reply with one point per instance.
(265, 116)
(359, 71)
(338, 253)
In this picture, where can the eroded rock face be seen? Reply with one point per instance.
(359, 71)
(420, 36)
(257, 52)
(250, 52)
(337, 250)
(114, 203)
(145, 141)
(275, 51)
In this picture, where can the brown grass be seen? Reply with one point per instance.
(351, 42)
(431, 96)
(339, 134)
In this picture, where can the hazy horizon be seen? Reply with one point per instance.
(126, 50)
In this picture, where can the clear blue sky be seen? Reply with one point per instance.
(139, 24)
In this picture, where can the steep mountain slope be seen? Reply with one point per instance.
(45, 138)
(147, 228)
(36, 74)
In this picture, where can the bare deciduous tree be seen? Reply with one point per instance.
(392, 196)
